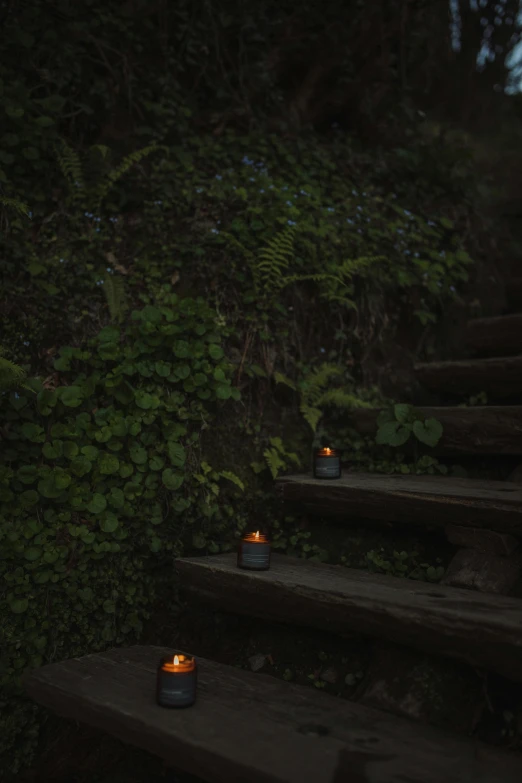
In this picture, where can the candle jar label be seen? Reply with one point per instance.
(176, 690)
(327, 467)
(254, 556)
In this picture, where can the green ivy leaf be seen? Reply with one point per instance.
(45, 401)
(32, 553)
(108, 464)
(53, 450)
(403, 413)
(163, 369)
(181, 349)
(109, 523)
(97, 504)
(70, 449)
(27, 474)
(80, 466)
(393, 434)
(177, 454)
(199, 541)
(156, 463)
(172, 480)
(91, 452)
(215, 351)
(71, 396)
(18, 605)
(116, 497)
(223, 392)
(428, 432)
(126, 470)
(155, 544)
(143, 400)
(138, 454)
(109, 606)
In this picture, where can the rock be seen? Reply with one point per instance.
(257, 662)
(329, 675)
(487, 573)
(483, 540)
(412, 684)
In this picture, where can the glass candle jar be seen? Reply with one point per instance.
(327, 463)
(176, 681)
(254, 552)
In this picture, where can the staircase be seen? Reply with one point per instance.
(250, 728)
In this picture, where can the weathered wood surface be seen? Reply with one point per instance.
(251, 728)
(499, 336)
(364, 766)
(484, 630)
(499, 377)
(421, 500)
(491, 429)
(514, 293)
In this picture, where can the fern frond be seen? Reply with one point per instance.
(116, 296)
(316, 382)
(70, 166)
(311, 415)
(233, 478)
(280, 378)
(233, 241)
(356, 266)
(273, 461)
(341, 399)
(13, 203)
(274, 260)
(11, 375)
(101, 190)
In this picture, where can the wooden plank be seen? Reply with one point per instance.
(499, 377)
(363, 766)
(419, 500)
(491, 429)
(253, 728)
(499, 336)
(484, 630)
(514, 293)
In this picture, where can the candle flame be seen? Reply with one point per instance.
(257, 534)
(176, 660)
(328, 450)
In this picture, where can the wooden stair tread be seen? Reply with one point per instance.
(500, 336)
(482, 629)
(252, 727)
(499, 376)
(491, 429)
(420, 500)
(514, 293)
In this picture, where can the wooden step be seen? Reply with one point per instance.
(252, 728)
(514, 293)
(500, 336)
(483, 630)
(499, 377)
(434, 501)
(495, 429)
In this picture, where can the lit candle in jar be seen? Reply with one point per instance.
(254, 552)
(327, 463)
(176, 681)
